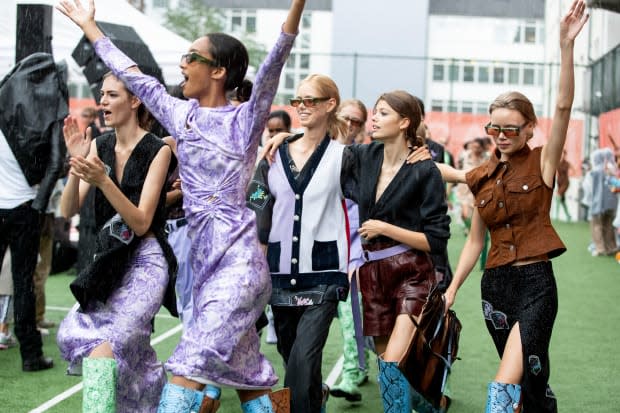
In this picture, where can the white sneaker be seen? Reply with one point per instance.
(7, 341)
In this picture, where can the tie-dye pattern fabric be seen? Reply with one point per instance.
(124, 321)
(217, 149)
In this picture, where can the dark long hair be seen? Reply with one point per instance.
(406, 105)
(145, 119)
(231, 54)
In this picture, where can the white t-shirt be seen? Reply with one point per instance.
(14, 189)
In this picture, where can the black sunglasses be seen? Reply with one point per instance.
(509, 131)
(308, 102)
(195, 57)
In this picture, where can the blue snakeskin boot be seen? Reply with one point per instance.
(179, 399)
(503, 398)
(395, 390)
(260, 404)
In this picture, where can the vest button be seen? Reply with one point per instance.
(293, 281)
(482, 202)
(296, 217)
(525, 187)
(499, 181)
(507, 225)
(501, 204)
(512, 248)
(295, 239)
(294, 261)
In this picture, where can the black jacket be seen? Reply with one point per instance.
(33, 104)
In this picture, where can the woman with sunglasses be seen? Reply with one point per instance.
(217, 145)
(106, 335)
(402, 216)
(513, 192)
(301, 222)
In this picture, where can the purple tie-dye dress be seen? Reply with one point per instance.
(217, 149)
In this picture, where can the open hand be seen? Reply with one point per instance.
(76, 12)
(271, 146)
(91, 169)
(573, 22)
(419, 154)
(78, 144)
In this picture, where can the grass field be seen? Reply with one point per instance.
(585, 359)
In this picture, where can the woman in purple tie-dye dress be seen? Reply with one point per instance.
(217, 145)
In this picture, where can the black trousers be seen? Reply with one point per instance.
(20, 230)
(302, 333)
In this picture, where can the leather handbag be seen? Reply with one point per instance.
(433, 348)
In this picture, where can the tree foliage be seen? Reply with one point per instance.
(197, 19)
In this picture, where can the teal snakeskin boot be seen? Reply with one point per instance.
(395, 389)
(260, 404)
(503, 398)
(179, 399)
(99, 381)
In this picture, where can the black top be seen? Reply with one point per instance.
(414, 199)
(99, 279)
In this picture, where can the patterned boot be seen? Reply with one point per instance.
(99, 392)
(179, 399)
(503, 398)
(211, 399)
(395, 390)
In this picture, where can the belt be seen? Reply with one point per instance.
(385, 253)
(176, 224)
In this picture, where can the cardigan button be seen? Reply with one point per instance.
(295, 239)
(294, 261)
(295, 217)
(297, 197)
(293, 281)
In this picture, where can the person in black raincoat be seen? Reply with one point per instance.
(33, 104)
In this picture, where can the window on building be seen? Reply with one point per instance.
(530, 33)
(290, 62)
(467, 106)
(517, 37)
(538, 109)
(438, 72)
(454, 72)
(236, 23)
(306, 20)
(481, 108)
(289, 81)
(250, 24)
(528, 75)
(160, 4)
(483, 74)
(498, 75)
(468, 73)
(302, 76)
(453, 106)
(541, 76)
(436, 105)
(513, 74)
(304, 41)
(304, 61)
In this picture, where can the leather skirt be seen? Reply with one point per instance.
(395, 285)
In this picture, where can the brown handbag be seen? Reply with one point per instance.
(432, 349)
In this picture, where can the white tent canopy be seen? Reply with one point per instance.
(165, 45)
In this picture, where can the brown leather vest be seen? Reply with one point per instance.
(514, 203)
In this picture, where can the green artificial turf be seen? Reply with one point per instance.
(584, 346)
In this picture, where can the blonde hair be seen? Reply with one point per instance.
(326, 87)
(515, 101)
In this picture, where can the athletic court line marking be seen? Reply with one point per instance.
(335, 373)
(67, 309)
(78, 387)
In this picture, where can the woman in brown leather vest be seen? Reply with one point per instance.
(513, 192)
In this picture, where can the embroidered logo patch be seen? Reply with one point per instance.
(535, 366)
(487, 309)
(258, 195)
(499, 320)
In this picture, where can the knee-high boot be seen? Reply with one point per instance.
(395, 390)
(503, 398)
(99, 392)
(275, 402)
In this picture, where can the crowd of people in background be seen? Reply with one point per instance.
(347, 216)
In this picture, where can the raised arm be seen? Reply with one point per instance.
(165, 108)
(570, 26)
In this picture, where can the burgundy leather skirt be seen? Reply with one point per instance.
(395, 285)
